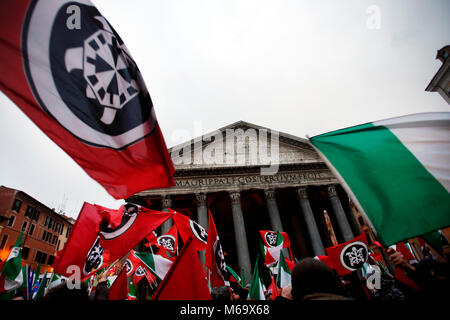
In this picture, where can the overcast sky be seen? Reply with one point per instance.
(300, 67)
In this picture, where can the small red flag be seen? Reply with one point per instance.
(83, 248)
(185, 279)
(188, 228)
(135, 224)
(102, 235)
(349, 256)
(214, 257)
(119, 288)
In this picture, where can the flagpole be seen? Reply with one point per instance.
(344, 185)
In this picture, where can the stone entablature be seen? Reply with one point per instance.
(232, 182)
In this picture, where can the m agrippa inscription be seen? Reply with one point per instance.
(251, 181)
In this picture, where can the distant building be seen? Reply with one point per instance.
(45, 231)
(441, 80)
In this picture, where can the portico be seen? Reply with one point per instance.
(244, 201)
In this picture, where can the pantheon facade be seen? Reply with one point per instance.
(284, 186)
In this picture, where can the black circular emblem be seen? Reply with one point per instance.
(140, 271)
(271, 238)
(167, 242)
(198, 231)
(85, 77)
(130, 214)
(354, 255)
(220, 260)
(129, 266)
(94, 259)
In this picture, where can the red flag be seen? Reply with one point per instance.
(325, 259)
(290, 264)
(135, 224)
(135, 267)
(168, 241)
(188, 228)
(400, 275)
(349, 256)
(401, 247)
(102, 235)
(214, 257)
(83, 247)
(273, 289)
(184, 280)
(119, 288)
(273, 242)
(81, 87)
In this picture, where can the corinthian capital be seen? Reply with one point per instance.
(201, 199)
(270, 194)
(166, 202)
(235, 197)
(302, 194)
(331, 191)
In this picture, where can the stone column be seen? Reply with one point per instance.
(202, 210)
(274, 215)
(339, 213)
(166, 204)
(240, 234)
(272, 207)
(202, 219)
(311, 225)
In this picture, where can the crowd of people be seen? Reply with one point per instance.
(312, 279)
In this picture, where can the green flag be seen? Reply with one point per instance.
(12, 277)
(396, 170)
(42, 286)
(37, 273)
(256, 291)
(284, 274)
(243, 281)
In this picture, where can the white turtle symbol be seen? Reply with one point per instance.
(108, 68)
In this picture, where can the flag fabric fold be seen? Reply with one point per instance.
(185, 279)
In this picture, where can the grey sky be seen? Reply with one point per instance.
(301, 67)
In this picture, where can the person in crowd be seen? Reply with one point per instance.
(431, 276)
(63, 292)
(312, 279)
(221, 294)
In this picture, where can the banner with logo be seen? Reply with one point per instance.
(349, 256)
(188, 228)
(67, 69)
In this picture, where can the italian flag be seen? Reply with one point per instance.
(284, 274)
(272, 244)
(157, 264)
(396, 170)
(11, 276)
(256, 290)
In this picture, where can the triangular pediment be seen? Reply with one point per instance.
(243, 144)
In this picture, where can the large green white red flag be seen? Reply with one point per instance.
(397, 171)
(273, 243)
(11, 276)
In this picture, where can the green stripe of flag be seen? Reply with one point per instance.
(397, 192)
